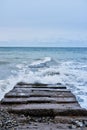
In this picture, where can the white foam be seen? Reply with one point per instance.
(7, 84)
(40, 63)
(74, 78)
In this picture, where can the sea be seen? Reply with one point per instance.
(50, 65)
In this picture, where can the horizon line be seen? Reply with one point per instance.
(45, 46)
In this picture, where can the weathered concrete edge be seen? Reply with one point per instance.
(50, 112)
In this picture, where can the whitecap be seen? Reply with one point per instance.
(40, 63)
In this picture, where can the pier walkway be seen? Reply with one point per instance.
(53, 104)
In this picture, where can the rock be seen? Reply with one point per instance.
(70, 127)
(0, 123)
(85, 123)
(73, 127)
(79, 123)
(6, 120)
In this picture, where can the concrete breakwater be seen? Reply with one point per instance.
(49, 103)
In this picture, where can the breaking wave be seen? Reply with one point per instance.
(40, 62)
(71, 73)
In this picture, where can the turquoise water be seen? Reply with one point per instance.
(47, 65)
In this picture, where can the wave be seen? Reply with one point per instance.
(40, 62)
(67, 73)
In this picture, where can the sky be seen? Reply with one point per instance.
(43, 23)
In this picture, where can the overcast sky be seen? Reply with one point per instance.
(43, 22)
